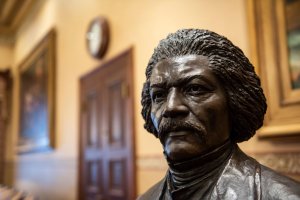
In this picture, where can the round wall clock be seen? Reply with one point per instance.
(97, 37)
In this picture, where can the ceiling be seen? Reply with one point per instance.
(11, 14)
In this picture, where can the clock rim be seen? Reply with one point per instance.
(104, 31)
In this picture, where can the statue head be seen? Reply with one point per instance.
(222, 62)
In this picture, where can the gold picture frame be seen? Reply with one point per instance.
(37, 97)
(270, 22)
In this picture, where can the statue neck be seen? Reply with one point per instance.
(183, 174)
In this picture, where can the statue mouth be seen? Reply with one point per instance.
(179, 129)
(179, 133)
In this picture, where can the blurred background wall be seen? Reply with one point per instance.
(141, 24)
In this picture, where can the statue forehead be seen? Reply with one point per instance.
(178, 66)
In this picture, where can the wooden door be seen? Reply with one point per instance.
(107, 157)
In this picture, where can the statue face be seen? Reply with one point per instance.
(189, 107)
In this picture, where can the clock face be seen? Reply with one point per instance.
(97, 37)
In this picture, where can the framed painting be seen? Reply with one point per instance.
(37, 95)
(275, 40)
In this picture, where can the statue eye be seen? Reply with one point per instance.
(196, 89)
(157, 96)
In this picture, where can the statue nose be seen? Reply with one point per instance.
(175, 106)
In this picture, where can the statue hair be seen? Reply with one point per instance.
(245, 97)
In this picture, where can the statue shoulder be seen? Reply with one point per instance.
(277, 186)
(273, 184)
(154, 192)
(244, 177)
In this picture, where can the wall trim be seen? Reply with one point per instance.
(286, 163)
(46, 163)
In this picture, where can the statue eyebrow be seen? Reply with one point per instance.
(187, 79)
(181, 81)
(158, 85)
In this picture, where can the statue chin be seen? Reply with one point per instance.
(179, 151)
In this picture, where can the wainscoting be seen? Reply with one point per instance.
(285, 163)
(47, 178)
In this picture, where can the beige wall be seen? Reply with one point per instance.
(6, 54)
(132, 22)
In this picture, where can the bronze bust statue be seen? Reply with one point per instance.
(201, 97)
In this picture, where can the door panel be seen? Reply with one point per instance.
(117, 187)
(116, 111)
(93, 138)
(107, 157)
(93, 177)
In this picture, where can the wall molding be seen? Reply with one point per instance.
(45, 162)
(286, 163)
